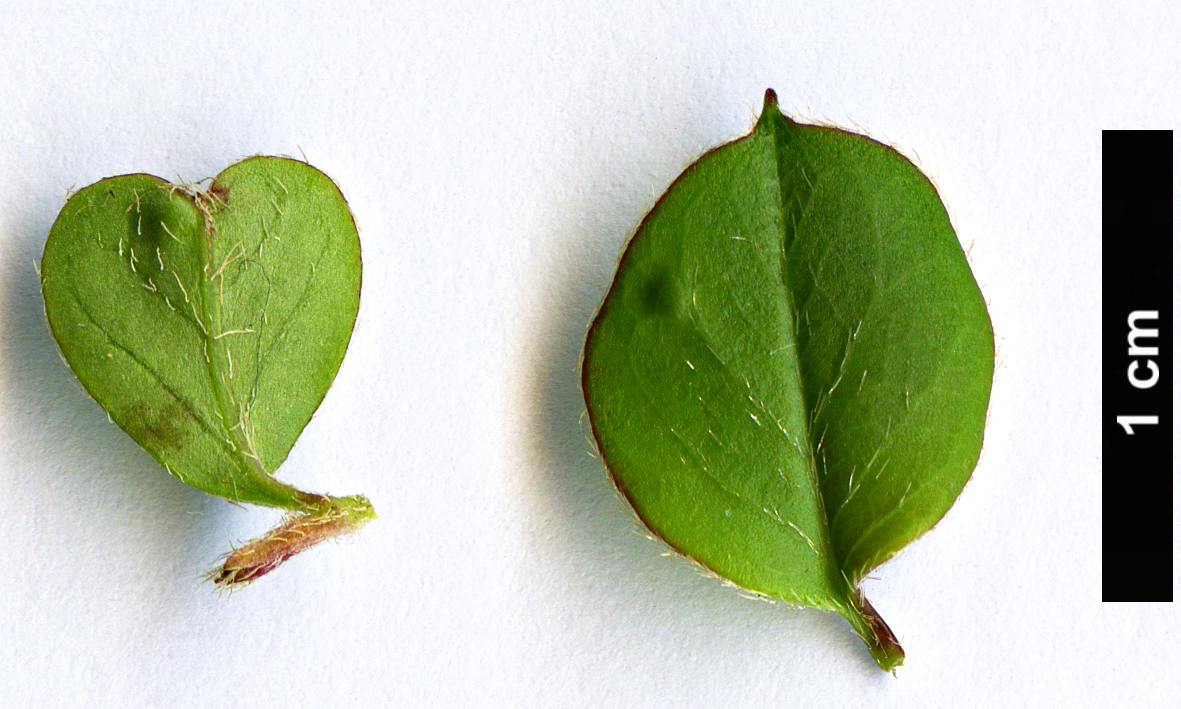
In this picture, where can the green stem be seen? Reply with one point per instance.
(878, 637)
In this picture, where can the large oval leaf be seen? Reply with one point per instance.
(789, 376)
(210, 323)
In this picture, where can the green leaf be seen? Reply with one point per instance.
(209, 323)
(789, 376)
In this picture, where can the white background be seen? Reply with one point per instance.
(497, 155)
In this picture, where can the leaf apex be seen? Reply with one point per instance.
(770, 109)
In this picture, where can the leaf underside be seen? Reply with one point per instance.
(209, 323)
(788, 377)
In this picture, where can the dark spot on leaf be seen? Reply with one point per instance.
(162, 217)
(658, 295)
(154, 429)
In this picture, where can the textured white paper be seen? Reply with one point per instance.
(497, 155)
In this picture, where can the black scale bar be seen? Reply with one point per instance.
(1137, 365)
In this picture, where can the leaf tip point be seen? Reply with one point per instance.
(770, 107)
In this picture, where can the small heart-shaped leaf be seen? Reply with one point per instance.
(789, 376)
(209, 323)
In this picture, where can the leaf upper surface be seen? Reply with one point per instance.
(788, 377)
(208, 323)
